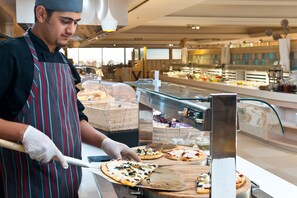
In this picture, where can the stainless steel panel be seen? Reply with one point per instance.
(223, 145)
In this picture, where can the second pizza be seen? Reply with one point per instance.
(185, 154)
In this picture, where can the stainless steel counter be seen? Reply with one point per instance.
(216, 113)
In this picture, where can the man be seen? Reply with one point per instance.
(39, 108)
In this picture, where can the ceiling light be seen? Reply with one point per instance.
(170, 45)
(193, 26)
(108, 23)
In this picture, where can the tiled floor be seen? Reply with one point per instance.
(278, 161)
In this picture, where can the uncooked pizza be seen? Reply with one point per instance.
(148, 153)
(163, 147)
(204, 186)
(185, 154)
(128, 173)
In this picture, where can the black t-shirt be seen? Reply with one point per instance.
(16, 73)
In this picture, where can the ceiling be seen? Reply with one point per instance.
(158, 23)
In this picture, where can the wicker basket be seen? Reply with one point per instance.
(112, 115)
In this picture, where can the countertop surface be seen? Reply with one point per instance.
(88, 187)
(268, 182)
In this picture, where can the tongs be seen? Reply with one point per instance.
(20, 148)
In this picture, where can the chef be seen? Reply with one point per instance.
(39, 108)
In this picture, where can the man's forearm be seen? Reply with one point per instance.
(12, 131)
(90, 135)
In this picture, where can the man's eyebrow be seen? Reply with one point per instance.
(71, 19)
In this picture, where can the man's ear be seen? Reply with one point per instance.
(41, 14)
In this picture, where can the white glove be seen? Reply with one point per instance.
(41, 148)
(118, 150)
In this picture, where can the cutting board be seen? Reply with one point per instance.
(164, 179)
(189, 174)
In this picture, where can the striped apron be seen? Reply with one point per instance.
(51, 107)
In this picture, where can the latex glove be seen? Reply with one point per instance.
(41, 148)
(118, 150)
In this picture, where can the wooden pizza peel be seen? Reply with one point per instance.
(164, 179)
(156, 180)
(161, 179)
(189, 171)
(189, 175)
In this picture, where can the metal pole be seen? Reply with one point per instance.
(223, 145)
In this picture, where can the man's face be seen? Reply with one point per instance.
(59, 28)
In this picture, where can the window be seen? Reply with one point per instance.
(157, 54)
(100, 56)
(176, 53)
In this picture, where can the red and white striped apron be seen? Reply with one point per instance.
(51, 107)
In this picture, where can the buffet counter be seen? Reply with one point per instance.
(285, 105)
(175, 99)
(275, 98)
(268, 182)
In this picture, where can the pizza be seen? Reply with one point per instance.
(163, 147)
(148, 153)
(204, 186)
(203, 183)
(240, 180)
(188, 154)
(128, 173)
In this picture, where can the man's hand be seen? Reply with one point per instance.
(40, 147)
(118, 150)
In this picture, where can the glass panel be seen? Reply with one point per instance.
(157, 54)
(85, 56)
(73, 54)
(113, 56)
(176, 91)
(136, 54)
(176, 53)
(129, 56)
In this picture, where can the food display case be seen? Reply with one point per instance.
(216, 113)
(112, 109)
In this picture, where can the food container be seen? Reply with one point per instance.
(109, 106)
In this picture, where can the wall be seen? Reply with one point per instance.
(257, 56)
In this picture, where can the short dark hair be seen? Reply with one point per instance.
(48, 11)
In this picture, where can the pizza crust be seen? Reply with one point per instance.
(106, 171)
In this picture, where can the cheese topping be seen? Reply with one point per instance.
(203, 181)
(130, 171)
(186, 154)
(191, 154)
(176, 152)
(146, 151)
